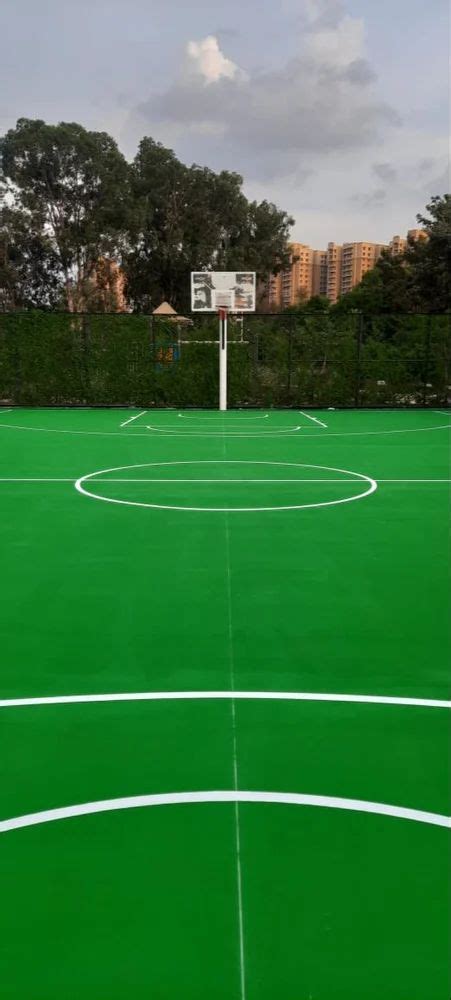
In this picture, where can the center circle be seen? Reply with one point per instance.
(226, 486)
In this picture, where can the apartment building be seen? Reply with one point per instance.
(397, 245)
(319, 267)
(356, 260)
(332, 272)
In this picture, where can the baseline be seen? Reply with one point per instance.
(194, 798)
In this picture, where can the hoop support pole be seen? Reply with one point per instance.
(223, 359)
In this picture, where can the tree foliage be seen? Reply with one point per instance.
(70, 199)
(69, 187)
(416, 281)
(190, 218)
(429, 261)
(72, 208)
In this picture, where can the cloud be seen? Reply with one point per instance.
(322, 101)
(385, 172)
(322, 13)
(372, 199)
(312, 134)
(205, 60)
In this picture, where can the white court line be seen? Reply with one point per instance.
(167, 429)
(133, 418)
(111, 480)
(239, 873)
(414, 480)
(34, 480)
(216, 420)
(193, 798)
(263, 434)
(92, 477)
(309, 417)
(342, 482)
(365, 699)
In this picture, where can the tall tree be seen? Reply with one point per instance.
(190, 218)
(429, 261)
(416, 281)
(384, 289)
(72, 186)
(28, 263)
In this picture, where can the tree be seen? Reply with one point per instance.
(28, 264)
(416, 281)
(384, 289)
(71, 186)
(429, 260)
(190, 218)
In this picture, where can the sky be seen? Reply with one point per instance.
(336, 110)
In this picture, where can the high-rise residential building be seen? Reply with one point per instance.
(356, 260)
(332, 272)
(397, 245)
(319, 267)
(296, 282)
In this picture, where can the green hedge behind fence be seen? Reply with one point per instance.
(310, 359)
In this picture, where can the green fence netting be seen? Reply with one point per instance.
(288, 360)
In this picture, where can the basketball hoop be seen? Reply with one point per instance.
(223, 292)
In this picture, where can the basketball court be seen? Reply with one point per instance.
(224, 704)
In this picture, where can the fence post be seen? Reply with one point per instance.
(447, 363)
(427, 357)
(85, 331)
(290, 356)
(358, 378)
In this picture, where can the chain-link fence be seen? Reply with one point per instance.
(285, 360)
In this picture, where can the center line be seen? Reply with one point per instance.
(239, 874)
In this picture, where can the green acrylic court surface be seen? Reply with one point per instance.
(224, 722)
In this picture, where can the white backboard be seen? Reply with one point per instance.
(232, 290)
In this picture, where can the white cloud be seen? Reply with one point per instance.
(206, 60)
(319, 102)
(313, 134)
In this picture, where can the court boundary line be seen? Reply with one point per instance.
(194, 798)
(264, 435)
(309, 696)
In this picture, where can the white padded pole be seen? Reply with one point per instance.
(223, 359)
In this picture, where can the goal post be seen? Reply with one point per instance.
(223, 292)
